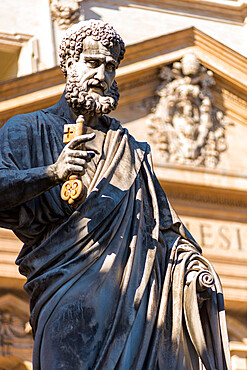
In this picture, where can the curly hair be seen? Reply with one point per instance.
(72, 44)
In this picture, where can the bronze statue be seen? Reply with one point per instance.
(115, 280)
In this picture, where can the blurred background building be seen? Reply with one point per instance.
(183, 87)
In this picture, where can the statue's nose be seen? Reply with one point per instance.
(100, 75)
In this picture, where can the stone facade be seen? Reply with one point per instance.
(183, 88)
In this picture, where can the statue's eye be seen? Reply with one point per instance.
(93, 63)
(110, 67)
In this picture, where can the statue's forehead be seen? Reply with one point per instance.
(93, 47)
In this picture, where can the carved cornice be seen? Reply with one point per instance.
(218, 198)
(214, 55)
(228, 11)
(12, 42)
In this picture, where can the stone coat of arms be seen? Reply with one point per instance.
(185, 126)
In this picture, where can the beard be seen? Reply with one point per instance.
(83, 102)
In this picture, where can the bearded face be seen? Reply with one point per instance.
(91, 88)
(84, 98)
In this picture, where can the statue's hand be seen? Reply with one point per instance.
(72, 159)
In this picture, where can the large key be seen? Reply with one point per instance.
(73, 191)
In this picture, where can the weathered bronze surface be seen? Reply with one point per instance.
(116, 282)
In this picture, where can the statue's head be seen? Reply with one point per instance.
(89, 55)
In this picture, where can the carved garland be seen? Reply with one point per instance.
(65, 12)
(185, 127)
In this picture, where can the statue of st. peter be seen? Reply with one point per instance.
(114, 278)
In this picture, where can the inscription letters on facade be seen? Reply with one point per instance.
(218, 235)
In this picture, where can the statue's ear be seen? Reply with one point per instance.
(69, 64)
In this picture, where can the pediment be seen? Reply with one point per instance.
(139, 74)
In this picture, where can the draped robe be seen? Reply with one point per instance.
(108, 280)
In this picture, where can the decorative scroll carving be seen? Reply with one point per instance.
(65, 12)
(185, 126)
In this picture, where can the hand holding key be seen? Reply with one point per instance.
(72, 163)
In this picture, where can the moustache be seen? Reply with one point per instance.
(92, 82)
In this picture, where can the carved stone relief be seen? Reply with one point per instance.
(15, 334)
(65, 12)
(186, 127)
(12, 328)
